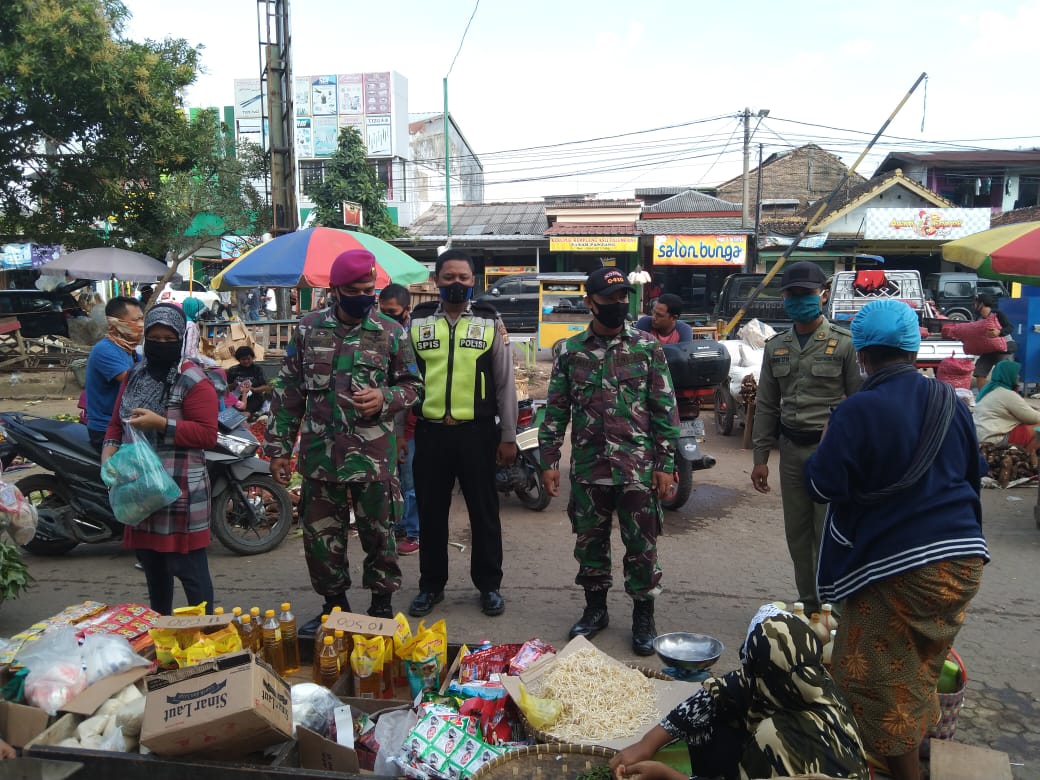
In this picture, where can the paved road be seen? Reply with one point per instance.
(723, 555)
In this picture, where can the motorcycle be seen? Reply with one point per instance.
(696, 368)
(251, 512)
(524, 476)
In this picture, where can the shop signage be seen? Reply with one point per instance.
(924, 224)
(700, 250)
(593, 243)
(506, 270)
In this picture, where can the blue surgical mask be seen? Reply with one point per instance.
(803, 308)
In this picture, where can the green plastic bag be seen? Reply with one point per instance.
(138, 485)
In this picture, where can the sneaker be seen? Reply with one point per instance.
(408, 546)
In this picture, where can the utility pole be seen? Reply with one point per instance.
(758, 203)
(746, 194)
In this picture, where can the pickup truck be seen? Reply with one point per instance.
(850, 290)
(846, 297)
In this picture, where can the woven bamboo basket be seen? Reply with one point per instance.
(557, 761)
(544, 737)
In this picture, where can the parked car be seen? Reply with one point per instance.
(954, 293)
(178, 292)
(43, 312)
(516, 299)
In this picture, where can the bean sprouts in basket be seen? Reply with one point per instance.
(600, 700)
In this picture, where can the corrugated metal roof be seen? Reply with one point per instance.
(655, 191)
(590, 204)
(691, 202)
(1030, 157)
(498, 219)
(692, 226)
(592, 229)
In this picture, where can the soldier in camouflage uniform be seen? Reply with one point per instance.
(805, 372)
(348, 370)
(612, 384)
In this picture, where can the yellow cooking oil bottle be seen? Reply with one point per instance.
(290, 641)
(272, 636)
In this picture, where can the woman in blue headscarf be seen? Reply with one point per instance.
(192, 308)
(902, 543)
(1002, 416)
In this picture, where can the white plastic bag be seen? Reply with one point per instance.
(756, 333)
(17, 516)
(108, 654)
(55, 669)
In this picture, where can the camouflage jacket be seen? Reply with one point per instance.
(617, 395)
(326, 362)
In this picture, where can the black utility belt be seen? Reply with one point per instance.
(802, 438)
(449, 420)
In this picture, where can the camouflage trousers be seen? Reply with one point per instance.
(325, 511)
(639, 516)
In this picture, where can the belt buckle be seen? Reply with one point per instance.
(449, 420)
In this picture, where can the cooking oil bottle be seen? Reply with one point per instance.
(328, 663)
(817, 626)
(342, 645)
(272, 636)
(319, 643)
(218, 610)
(290, 642)
(248, 632)
(236, 616)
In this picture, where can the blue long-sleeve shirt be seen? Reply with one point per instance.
(869, 445)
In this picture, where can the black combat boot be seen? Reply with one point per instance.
(595, 618)
(381, 607)
(643, 629)
(310, 628)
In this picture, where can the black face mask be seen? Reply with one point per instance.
(456, 292)
(161, 355)
(356, 307)
(611, 315)
(401, 318)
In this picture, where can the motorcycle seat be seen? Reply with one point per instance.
(74, 435)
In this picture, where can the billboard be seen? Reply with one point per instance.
(323, 96)
(924, 224)
(349, 90)
(248, 99)
(593, 243)
(729, 250)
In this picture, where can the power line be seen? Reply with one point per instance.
(476, 5)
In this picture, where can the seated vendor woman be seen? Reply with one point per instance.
(1002, 416)
(779, 714)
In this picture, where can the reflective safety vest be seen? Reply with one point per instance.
(455, 361)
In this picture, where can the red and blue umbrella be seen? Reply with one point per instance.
(304, 258)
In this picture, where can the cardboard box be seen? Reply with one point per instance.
(224, 707)
(20, 724)
(318, 752)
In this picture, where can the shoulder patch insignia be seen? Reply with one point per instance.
(782, 351)
(820, 335)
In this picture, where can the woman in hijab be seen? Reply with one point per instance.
(1002, 416)
(192, 308)
(779, 714)
(174, 405)
(902, 543)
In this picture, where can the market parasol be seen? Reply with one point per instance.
(303, 259)
(108, 262)
(1009, 253)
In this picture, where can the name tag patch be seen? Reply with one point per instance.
(473, 343)
(428, 344)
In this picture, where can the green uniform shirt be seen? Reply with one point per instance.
(618, 397)
(326, 362)
(799, 385)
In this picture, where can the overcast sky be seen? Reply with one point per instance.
(538, 73)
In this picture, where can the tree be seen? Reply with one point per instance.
(89, 121)
(219, 195)
(349, 177)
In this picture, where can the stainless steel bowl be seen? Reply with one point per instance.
(688, 651)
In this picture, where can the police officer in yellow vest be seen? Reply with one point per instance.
(467, 366)
(805, 372)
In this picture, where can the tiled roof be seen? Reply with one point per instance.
(482, 219)
(778, 156)
(691, 202)
(692, 226)
(1027, 214)
(592, 229)
(857, 193)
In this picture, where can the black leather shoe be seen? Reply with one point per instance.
(492, 603)
(381, 606)
(643, 629)
(422, 604)
(593, 620)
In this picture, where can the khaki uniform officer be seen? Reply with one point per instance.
(805, 372)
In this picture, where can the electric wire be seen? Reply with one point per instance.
(458, 51)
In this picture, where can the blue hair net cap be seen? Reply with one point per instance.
(886, 323)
